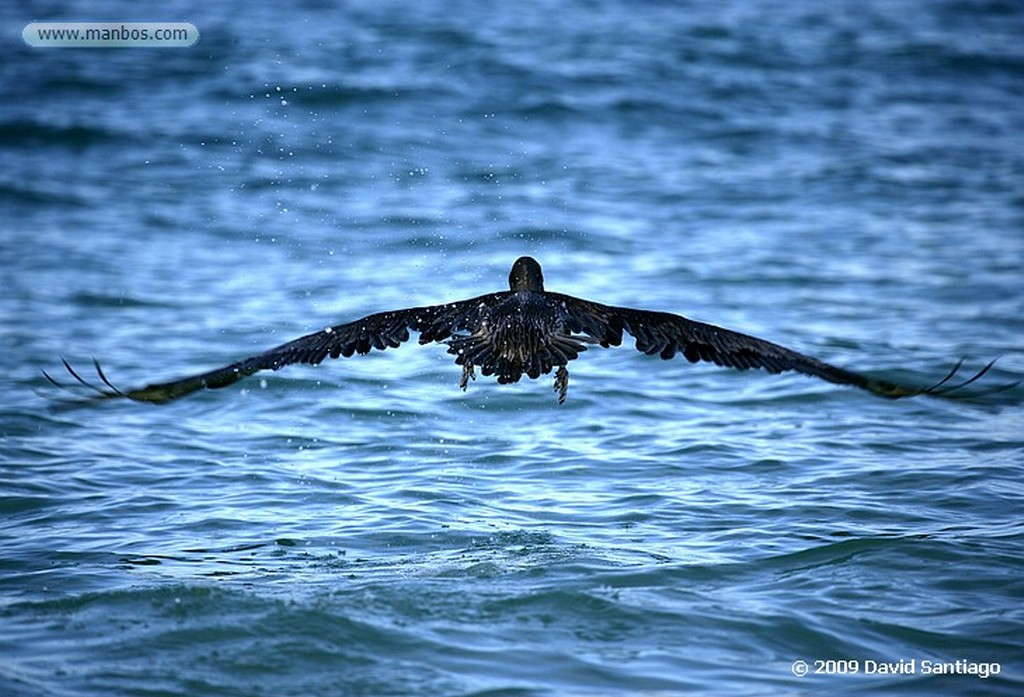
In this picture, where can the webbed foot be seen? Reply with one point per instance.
(467, 375)
(561, 383)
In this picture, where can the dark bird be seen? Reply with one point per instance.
(525, 330)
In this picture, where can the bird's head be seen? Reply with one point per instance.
(526, 275)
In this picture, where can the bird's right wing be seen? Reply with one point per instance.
(665, 334)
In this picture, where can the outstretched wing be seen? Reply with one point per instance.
(665, 334)
(380, 331)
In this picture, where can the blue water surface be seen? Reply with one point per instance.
(843, 178)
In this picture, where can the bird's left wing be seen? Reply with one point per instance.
(380, 331)
(665, 334)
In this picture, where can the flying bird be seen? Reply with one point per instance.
(525, 330)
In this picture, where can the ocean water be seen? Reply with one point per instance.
(843, 178)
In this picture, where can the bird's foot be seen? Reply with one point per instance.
(561, 383)
(467, 375)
